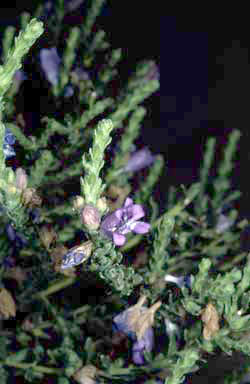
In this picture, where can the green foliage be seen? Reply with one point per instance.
(58, 337)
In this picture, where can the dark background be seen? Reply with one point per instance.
(205, 78)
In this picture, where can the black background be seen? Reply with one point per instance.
(205, 78)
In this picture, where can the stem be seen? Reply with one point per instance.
(38, 368)
(55, 287)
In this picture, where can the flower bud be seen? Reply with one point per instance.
(78, 203)
(21, 179)
(102, 205)
(91, 217)
(86, 375)
(7, 304)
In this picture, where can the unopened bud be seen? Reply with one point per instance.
(102, 205)
(7, 304)
(12, 189)
(78, 203)
(86, 375)
(91, 217)
(21, 179)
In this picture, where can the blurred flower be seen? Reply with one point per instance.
(136, 322)
(139, 160)
(50, 62)
(15, 237)
(90, 217)
(181, 281)
(124, 220)
(146, 343)
(35, 215)
(223, 223)
(9, 140)
(7, 304)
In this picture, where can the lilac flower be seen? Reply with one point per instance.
(136, 322)
(223, 224)
(9, 138)
(124, 220)
(146, 343)
(139, 160)
(16, 237)
(50, 62)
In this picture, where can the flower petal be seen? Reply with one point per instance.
(137, 212)
(118, 213)
(128, 202)
(118, 239)
(140, 227)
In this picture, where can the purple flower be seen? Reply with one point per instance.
(136, 322)
(50, 64)
(139, 160)
(9, 140)
(124, 220)
(146, 343)
(223, 224)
